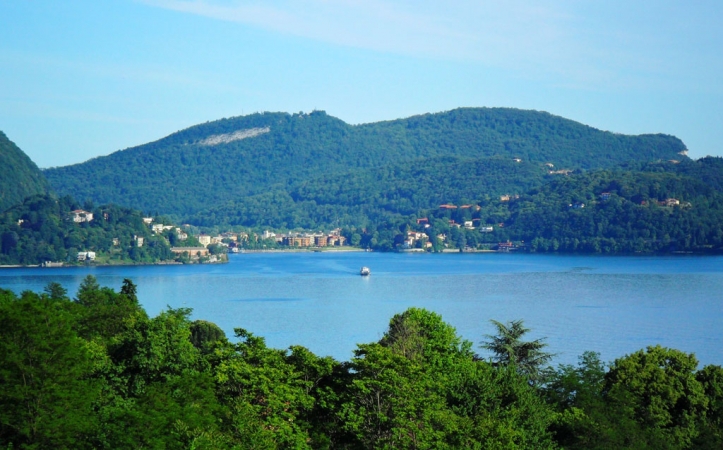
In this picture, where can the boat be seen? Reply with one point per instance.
(364, 271)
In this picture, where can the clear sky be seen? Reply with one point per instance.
(79, 79)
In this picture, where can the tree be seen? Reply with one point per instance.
(711, 378)
(129, 290)
(55, 291)
(204, 334)
(47, 393)
(659, 385)
(509, 349)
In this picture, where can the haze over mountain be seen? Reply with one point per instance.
(19, 176)
(277, 158)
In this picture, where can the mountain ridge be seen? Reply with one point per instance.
(182, 175)
(19, 176)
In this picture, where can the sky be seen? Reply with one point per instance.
(80, 79)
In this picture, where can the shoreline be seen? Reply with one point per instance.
(346, 250)
(303, 250)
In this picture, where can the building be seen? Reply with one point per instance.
(86, 256)
(204, 240)
(191, 252)
(335, 240)
(298, 240)
(80, 216)
(506, 246)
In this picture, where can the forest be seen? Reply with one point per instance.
(41, 229)
(639, 207)
(95, 371)
(194, 179)
(19, 176)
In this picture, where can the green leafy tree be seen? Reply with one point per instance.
(45, 367)
(509, 348)
(711, 435)
(659, 385)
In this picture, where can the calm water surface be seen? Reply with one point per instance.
(613, 305)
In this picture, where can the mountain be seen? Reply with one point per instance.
(656, 207)
(19, 176)
(243, 169)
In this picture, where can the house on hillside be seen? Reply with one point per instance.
(80, 215)
(86, 256)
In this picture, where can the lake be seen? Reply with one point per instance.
(613, 305)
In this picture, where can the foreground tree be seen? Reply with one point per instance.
(47, 393)
(420, 387)
(509, 348)
(659, 386)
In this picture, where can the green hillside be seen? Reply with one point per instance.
(362, 197)
(241, 169)
(42, 229)
(656, 207)
(19, 176)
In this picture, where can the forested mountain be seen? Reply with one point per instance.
(43, 228)
(96, 372)
(368, 196)
(270, 159)
(652, 207)
(19, 176)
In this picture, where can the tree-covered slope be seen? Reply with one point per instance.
(213, 165)
(19, 176)
(42, 229)
(658, 207)
(360, 197)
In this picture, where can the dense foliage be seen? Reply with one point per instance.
(42, 229)
(655, 207)
(285, 161)
(19, 176)
(96, 372)
(370, 196)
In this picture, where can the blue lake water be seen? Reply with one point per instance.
(613, 305)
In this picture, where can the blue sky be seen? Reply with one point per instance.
(80, 79)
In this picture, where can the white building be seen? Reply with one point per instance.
(86, 256)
